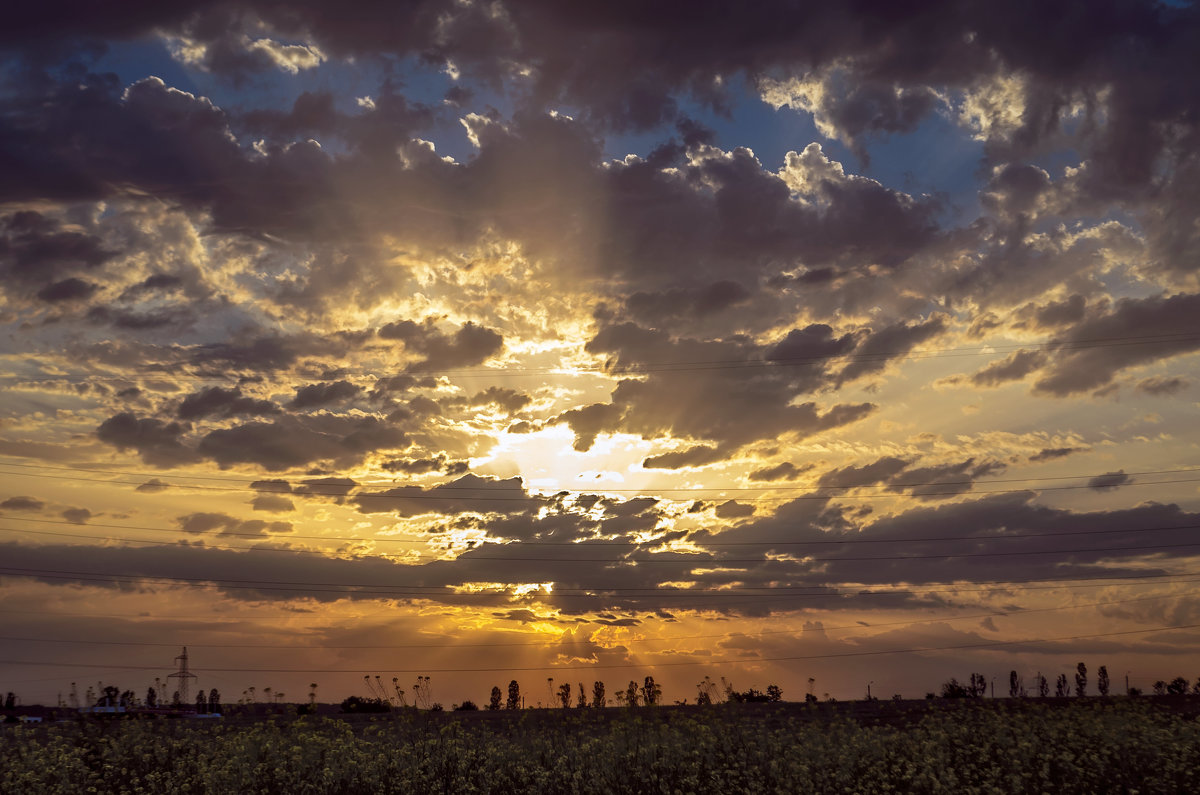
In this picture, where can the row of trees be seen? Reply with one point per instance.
(977, 685)
(648, 693)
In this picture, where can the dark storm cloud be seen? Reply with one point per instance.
(469, 493)
(943, 480)
(899, 475)
(1156, 328)
(890, 342)
(946, 543)
(470, 345)
(813, 342)
(294, 442)
(922, 539)
(217, 402)
(317, 395)
(651, 308)
(67, 290)
(259, 352)
(611, 59)
(389, 120)
(158, 443)
(737, 401)
(41, 258)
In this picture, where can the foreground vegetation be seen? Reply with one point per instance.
(1091, 747)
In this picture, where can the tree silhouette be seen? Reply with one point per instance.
(582, 701)
(1177, 687)
(564, 695)
(954, 689)
(1061, 688)
(494, 703)
(1043, 686)
(598, 699)
(1080, 680)
(774, 694)
(201, 703)
(214, 701)
(651, 692)
(631, 694)
(1016, 689)
(151, 697)
(1102, 680)
(514, 696)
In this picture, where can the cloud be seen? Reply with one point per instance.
(217, 402)
(272, 503)
(1109, 481)
(202, 523)
(317, 395)
(71, 289)
(891, 342)
(291, 442)
(866, 475)
(1053, 453)
(1160, 386)
(697, 456)
(469, 345)
(732, 509)
(1151, 325)
(1013, 367)
(469, 493)
(77, 515)
(157, 442)
(784, 471)
(22, 504)
(152, 486)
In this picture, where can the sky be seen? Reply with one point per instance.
(810, 344)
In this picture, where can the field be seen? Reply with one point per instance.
(1088, 746)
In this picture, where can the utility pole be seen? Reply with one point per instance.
(184, 676)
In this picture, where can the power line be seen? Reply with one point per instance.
(600, 666)
(623, 641)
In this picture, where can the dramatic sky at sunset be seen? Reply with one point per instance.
(521, 339)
